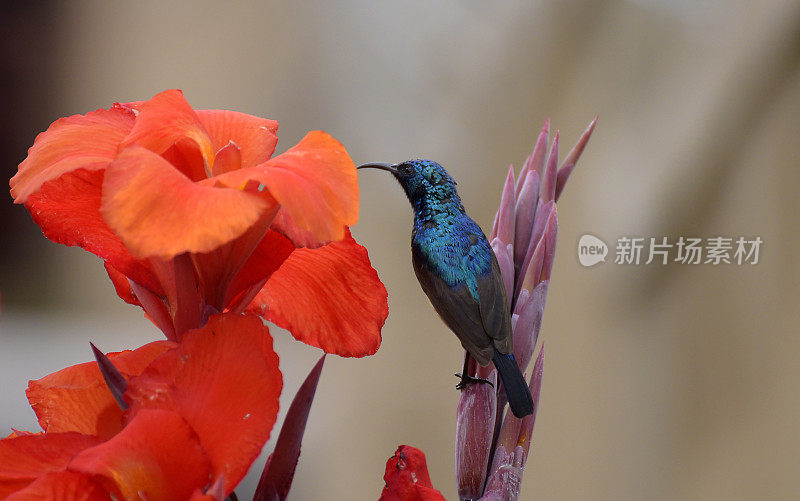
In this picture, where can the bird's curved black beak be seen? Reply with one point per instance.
(381, 166)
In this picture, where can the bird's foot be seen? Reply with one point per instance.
(465, 380)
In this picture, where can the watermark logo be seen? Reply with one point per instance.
(591, 250)
(660, 250)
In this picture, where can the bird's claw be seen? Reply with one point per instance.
(465, 380)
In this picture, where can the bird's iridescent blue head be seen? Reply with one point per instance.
(421, 179)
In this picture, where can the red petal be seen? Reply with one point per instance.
(78, 142)
(265, 260)
(121, 285)
(62, 486)
(26, 457)
(68, 211)
(256, 137)
(157, 211)
(226, 271)
(315, 182)
(21, 433)
(224, 380)
(77, 398)
(215, 492)
(407, 477)
(166, 119)
(157, 456)
(198, 495)
(329, 297)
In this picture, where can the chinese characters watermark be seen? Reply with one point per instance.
(660, 250)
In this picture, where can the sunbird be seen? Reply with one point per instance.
(458, 271)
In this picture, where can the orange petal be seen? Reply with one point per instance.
(156, 457)
(77, 398)
(68, 211)
(329, 297)
(26, 457)
(185, 156)
(315, 182)
(228, 158)
(62, 486)
(224, 380)
(165, 119)
(157, 211)
(78, 142)
(256, 137)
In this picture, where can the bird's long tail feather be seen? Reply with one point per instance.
(517, 391)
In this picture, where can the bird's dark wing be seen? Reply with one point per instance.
(462, 314)
(494, 308)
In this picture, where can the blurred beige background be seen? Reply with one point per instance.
(661, 382)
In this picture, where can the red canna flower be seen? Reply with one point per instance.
(198, 414)
(193, 217)
(407, 477)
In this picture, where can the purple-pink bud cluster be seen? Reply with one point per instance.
(492, 447)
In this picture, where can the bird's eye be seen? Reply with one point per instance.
(405, 169)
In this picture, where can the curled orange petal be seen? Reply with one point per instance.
(223, 379)
(185, 155)
(228, 158)
(78, 142)
(329, 297)
(254, 136)
(157, 211)
(163, 120)
(315, 182)
(77, 399)
(156, 457)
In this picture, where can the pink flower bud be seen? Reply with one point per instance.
(541, 262)
(548, 191)
(528, 323)
(543, 212)
(505, 213)
(572, 158)
(505, 258)
(475, 420)
(525, 213)
(513, 445)
(535, 161)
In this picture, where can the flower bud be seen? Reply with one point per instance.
(475, 420)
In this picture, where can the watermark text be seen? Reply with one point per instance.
(634, 250)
